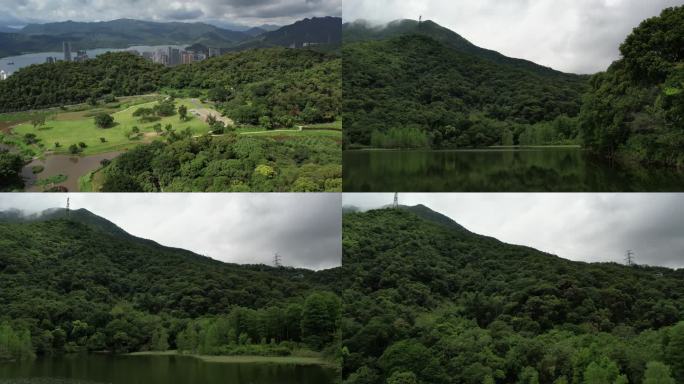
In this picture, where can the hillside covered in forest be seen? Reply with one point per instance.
(426, 301)
(412, 84)
(419, 85)
(77, 282)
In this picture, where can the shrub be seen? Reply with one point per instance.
(104, 120)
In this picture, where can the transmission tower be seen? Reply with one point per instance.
(277, 260)
(629, 258)
(420, 19)
(395, 205)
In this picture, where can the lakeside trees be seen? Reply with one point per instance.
(15, 344)
(276, 330)
(635, 110)
(84, 285)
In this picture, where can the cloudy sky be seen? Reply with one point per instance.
(222, 12)
(584, 227)
(579, 36)
(305, 229)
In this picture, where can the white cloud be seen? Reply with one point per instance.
(580, 36)
(233, 12)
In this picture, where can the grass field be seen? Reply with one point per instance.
(296, 133)
(296, 360)
(77, 125)
(336, 125)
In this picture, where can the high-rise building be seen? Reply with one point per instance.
(213, 52)
(174, 56)
(187, 57)
(81, 56)
(66, 47)
(3, 75)
(160, 57)
(50, 60)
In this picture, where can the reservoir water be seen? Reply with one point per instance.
(95, 369)
(498, 170)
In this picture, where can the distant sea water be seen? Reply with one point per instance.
(39, 58)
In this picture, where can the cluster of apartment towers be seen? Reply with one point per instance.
(168, 56)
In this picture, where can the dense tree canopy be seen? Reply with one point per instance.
(10, 171)
(84, 284)
(424, 297)
(62, 83)
(229, 163)
(290, 86)
(635, 110)
(415, 91)
(285, 85)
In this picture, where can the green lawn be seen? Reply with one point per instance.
(75, 126)
(297, 360)
(336, 125)
(296, 133)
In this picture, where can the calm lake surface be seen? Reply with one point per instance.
(162, 370)
(39, 58)
(498, 170)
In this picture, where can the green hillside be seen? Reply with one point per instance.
(421, 85)
(429, 302)
(81, 283)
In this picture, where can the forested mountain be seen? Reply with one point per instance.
(362, 31)
(313, 32)
(78, 282)
(635, 110)
(134, 31)
(80, 215)
(427, 301)
(123, 33)
(421, 85)
(13, 43)
(120, 33)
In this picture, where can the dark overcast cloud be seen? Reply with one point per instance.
(581, 36)
(240, 228)
(585, 227)
(235, 12)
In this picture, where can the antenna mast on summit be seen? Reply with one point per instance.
(629, 259)
(67, 207)
(420, 20)
(395, 205)
(277, 260)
